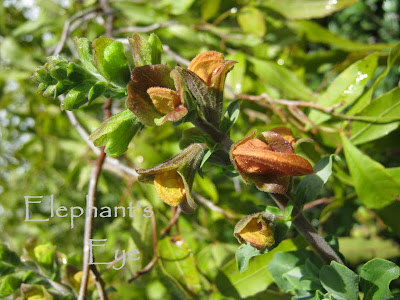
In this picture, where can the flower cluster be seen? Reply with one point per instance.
(157, 94)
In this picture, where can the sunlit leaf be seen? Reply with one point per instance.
(375, 187)
(251, 20)
(281, 78)
(308, 9)
(387, 105)
(347, 87)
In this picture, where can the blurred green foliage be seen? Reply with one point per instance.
(317, 51)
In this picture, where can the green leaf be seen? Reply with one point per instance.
(8, 256)
(44, 254)
(340, 281)
(178, 261)
(209, 8)
(235, 77)
(366, 98)
(387, 105)
(139, 12)
(307, 9)
(256, 278)
(251, 20)
(145, 52)
(376, 276)
(35, 291)
(177, 7)
(289, 268)
(116, 132)
(375, 187)
(243, 256)
(230, 116)
(318, 34)
(9, 284)
(77, 96)
(213, 256)
(207, 187)
(97, 90)
(357, 249)
(84, 49)
(174, 287)
(310, 186)
(156, 49)
(111, 61)
(347, 87)
(281, 78)
(395, 172)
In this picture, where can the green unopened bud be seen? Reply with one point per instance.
(257, 230)
(76, 73)
(145, 52)
(42, 76)
(77, 96)
(50, 91)
(97, 90)
(57, 67)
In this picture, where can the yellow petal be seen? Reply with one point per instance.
(164, 100)
(206, 64)
(169, 187)
(257, 235)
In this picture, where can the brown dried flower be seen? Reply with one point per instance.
(269, 160)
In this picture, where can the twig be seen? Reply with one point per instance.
(109, 15)
(151, 264)
(214, 207)
(224, 15)
(100, 284)
(175, 56)
(316, 202)
(89, 222)
(312, 105)
(144, 28)
(67, 27)
(265, 97)
(171, 222)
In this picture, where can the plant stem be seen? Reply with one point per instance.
(305, 228)
(89, 222)
(300, 222)
(214, 133)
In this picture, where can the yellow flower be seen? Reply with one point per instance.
(257, 230)
(170, 187)
(173, 179)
